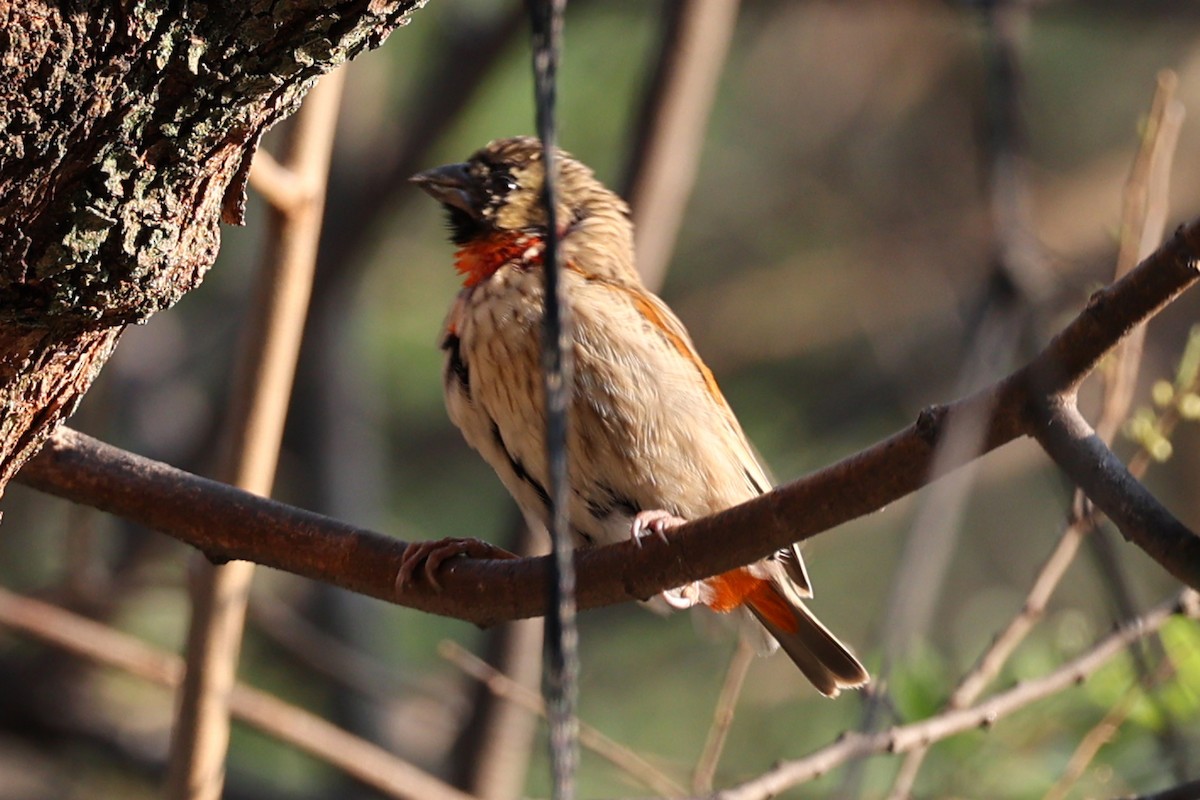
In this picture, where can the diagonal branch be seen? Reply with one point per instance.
(1070, 441)
(228, 524)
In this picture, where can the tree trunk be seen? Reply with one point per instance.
(126, 134)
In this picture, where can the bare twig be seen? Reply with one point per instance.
(259, 407)
(671, 128)
(906, 737)
(1098, 736)
(614, 752)
(560, 676)
(493, 750)
(325, 654)
(993, 659)
(1143, 220)
(731, 690)
(307, 731)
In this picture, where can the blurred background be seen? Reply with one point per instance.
(893, 203)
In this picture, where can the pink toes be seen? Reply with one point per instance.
(656, 523)
(653, 523)
(432, 554)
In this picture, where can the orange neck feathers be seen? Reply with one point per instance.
(478, 260)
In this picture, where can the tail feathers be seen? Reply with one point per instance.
(824, 660)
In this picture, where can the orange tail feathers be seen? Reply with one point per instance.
(823, 659)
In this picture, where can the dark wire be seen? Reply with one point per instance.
(562, 638)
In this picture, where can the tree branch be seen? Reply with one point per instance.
(1075, 447)
(227, 524)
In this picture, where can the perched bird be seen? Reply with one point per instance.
(651, 442)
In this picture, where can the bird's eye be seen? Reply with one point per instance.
(502, 183)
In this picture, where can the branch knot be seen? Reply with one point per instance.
(929, 424)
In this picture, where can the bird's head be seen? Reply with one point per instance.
(495, 196)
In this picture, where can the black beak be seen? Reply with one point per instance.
(450, 185)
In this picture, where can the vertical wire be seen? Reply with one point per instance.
(562, 639)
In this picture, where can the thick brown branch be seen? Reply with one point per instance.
(226, 523)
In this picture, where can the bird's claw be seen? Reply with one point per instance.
(683, 597)
(432, 554)
(655, 522)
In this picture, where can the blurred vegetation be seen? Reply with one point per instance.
(833, 254)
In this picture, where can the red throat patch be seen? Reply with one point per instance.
(478, 260)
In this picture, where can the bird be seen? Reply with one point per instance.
(651, 441)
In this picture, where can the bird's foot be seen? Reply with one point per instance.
(656, 523)
(653, 523)
(432, 554)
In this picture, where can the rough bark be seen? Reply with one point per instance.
(126, 133)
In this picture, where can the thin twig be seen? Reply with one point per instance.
(227, 523)
(1143, 221)
(307, 731)
(718, 732)
(328, 655)
(492, 751)
(259, 404)
(948, 723)
(1144, 217)
(612, 751)
(1098, 736)
(674, 117)
(996, 655)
